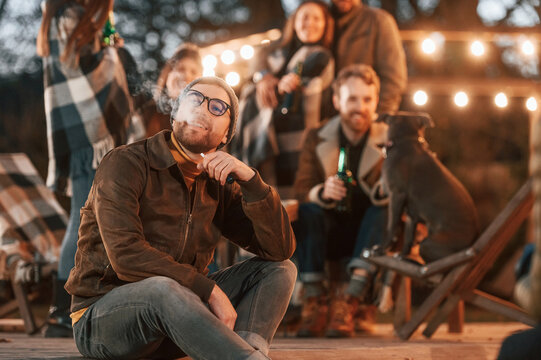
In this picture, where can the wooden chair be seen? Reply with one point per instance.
(32, 225)
(457, 276)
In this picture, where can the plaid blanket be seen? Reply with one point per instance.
(87, 102)
(32, 222)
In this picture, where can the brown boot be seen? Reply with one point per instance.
(365, 319)
(313, 317)
(341, 312)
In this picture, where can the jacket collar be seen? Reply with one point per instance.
(328, 149)
(159, 156)
(344, 19)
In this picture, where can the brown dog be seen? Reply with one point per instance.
(426, 190)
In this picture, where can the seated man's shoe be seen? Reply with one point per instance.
(341, 312)
(365, 319)
(313, 317)
(58, 324)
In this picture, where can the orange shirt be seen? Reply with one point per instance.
(187, 165)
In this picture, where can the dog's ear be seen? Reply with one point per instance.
(425, 121)
(384, 118)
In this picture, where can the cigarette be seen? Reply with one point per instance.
(230, 179)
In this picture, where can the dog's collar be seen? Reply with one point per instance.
(390, 144)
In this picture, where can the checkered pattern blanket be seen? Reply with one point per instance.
(87, 101)
(32, 222)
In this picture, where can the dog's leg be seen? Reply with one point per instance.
(396, 208)
(409, 235)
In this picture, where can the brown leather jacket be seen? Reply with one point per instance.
(140, 221)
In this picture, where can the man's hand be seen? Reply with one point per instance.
(220, 164)
(221, 307)
(334, 189)
(265, 91)
(288, 83)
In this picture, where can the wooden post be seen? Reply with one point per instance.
(535, 169)
(402, 312)
(456, 318)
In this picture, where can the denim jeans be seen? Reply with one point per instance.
(81, 178)
(159, 318)
(316, 227)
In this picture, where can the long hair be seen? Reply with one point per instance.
(186, 50)
(93, 19)
(289, 38)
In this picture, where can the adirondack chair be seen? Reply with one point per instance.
(32, 224)
(456, 277)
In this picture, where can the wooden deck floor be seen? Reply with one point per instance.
(478, 341)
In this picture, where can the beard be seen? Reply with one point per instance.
(192, 140)
(356, 125)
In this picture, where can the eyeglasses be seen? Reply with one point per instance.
(216, 107)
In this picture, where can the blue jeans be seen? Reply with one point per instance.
(159, 318)
(317, 227)
(81, 177)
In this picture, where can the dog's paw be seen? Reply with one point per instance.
(386, 301)
(377, 250)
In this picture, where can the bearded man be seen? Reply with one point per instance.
(155, 213)
(323, 232)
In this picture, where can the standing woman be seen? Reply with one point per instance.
(292, 94)
(183, 67)
(88, 110)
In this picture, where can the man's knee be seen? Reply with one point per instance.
(285, 271)
(164, 289)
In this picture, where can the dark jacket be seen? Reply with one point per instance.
(319, 160)
(366, 35)
(140, 221)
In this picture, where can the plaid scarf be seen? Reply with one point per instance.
(32, 223)
(265, 133)
(87, 104)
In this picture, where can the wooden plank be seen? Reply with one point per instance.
(8, 308)
(397, 264)
(441, 314)
(431, 302)
(407, 268)
(456, 319)
(500, 306)
(402, 310)
(24, 307)
(10, 325)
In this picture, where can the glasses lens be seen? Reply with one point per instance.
(217, 107)
(195, 98)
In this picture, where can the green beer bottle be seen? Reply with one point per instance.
(109, 31)
(344, 174)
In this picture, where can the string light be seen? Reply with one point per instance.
(228, 57)
(527, 48)
(461, 99)
(428, 46)
(477, 48)
(531, 104)
(209, 62)
(420, 97)
(247, 52)
(501, 100)
(232, 78)
(209, 72)
(432, 45)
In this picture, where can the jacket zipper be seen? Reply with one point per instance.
(189, 221)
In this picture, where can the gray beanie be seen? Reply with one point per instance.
(233, 102)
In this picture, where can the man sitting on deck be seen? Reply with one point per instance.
(156, 211)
